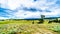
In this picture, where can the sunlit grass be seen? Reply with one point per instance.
(26, 27)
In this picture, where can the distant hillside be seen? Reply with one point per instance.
(33, 18)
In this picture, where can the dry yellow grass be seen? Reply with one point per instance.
(26, 29)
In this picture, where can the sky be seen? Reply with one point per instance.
(26, 9)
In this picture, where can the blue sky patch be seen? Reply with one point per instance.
(23, 9)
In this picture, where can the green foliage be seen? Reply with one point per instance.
(22, 28)
(55, 27)
(10, 27)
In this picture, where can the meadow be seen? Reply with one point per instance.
(27, 27)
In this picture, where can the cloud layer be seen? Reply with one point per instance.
(23, 9)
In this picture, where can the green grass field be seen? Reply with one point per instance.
(26, 27)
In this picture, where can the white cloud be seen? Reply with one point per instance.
(3, 18)
(22, 14)
(18, 5)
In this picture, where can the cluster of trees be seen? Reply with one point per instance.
(52, 21)
(41, 20)
(55, 21)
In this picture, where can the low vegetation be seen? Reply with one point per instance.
(29, 27)
(26, 29)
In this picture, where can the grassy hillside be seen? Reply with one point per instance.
(26, 27)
